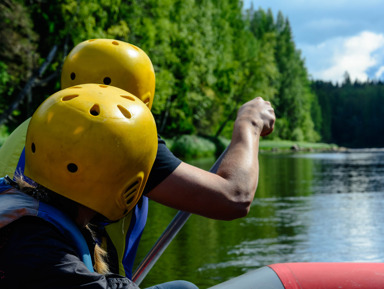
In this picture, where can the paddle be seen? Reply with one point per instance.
(166, 237)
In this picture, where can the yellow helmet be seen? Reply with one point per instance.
(94, 144)
(110, 62)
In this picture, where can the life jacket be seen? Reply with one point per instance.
(15, 204)
(124, 234)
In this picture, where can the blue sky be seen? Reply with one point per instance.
(335, 36)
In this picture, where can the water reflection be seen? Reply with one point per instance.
(345, 228)
(308, 208)
(347, 172)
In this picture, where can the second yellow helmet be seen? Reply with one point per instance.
(110, 62)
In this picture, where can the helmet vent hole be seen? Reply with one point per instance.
(128, 97)
(124, 111)
(146, 101)
(33, 147)
(69, 97)
(107, 80)
(130, 200)
(130, 193)
(103, 86)
(115, 43)
(73, 76)
(134, 47)
(95, 110)
(72, 168)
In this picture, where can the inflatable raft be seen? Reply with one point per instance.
(310, 276)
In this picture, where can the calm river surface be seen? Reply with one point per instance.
(325, 207)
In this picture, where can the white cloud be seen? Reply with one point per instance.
(329, 33)
(357, 54)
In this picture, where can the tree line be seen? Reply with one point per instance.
(210, 56)
(352, 112)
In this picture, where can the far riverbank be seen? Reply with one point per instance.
(191, 146)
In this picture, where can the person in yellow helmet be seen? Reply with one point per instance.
(225, 195)
(119, 64)
(88, 154)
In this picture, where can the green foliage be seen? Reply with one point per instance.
(292, 97)
(18, 51)
(209, 56)
(5, 79)
(191, 146)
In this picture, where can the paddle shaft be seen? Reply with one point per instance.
(167, 236)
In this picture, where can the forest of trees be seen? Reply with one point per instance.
(352, 112)
(210, 56)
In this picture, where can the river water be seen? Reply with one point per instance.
(309, 207)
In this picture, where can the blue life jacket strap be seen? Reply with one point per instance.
(67, 228)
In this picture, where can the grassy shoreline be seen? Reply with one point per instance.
(285, 145)
(188, 146)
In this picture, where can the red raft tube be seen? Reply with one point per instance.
(310, 276)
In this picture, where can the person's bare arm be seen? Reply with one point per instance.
(227, 194)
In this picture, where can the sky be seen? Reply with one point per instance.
(335, 36)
